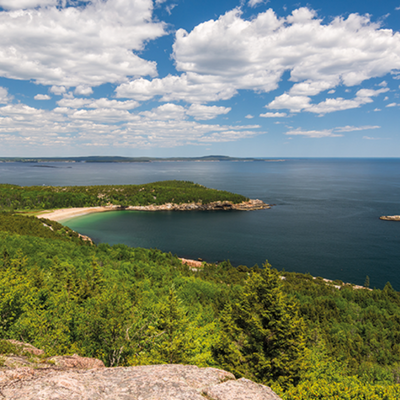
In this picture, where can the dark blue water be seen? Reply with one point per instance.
(325, 222)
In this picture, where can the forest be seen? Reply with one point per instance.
(25, 198)
(132, 306)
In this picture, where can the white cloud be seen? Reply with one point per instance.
(392, 105)
(219, 57)
(249, 116)
(167, 111)
(58, 90)
(83, 90)
(200, 112)
(293, 103)
(42, 97)
(164, 126)
(169, 8)
(71, 46)
(355, 128)
(370, 138)
(383, 84)
(97, 103)
(303, 103)
(190, 87)
(17, 4)
(313, 133)
(334, 132)
(4, 96)
(273, 115)
(253, 3)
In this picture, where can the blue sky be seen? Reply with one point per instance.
(191, 78)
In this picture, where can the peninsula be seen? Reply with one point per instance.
(69, 201)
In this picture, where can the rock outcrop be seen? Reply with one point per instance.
(390, 217)
(78, 378)
(214, 206)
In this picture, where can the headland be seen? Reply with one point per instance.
(67, 213)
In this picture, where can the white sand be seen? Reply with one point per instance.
(66, 213)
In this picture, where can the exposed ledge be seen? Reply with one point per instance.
(214, 206)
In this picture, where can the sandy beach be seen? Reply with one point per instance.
(66, 213)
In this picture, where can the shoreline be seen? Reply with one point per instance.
(67, 213)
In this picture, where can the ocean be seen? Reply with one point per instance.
(325, 218)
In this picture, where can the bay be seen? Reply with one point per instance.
(325, 221)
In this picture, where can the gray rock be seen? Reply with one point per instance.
(151, 382)
(242, 389)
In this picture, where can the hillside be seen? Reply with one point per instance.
(131, 306)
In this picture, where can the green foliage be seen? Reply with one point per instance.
(262, 336)
(358, 326)
(32, 226)
(14, 197)
(132, 306)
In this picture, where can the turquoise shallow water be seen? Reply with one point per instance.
(326, 218)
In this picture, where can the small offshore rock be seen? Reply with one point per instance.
(390, 218)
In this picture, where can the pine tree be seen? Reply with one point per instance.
(262, 336)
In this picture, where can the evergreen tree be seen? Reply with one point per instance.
(262, 336)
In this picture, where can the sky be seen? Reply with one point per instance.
(163, 78)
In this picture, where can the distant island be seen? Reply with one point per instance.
(112, 159)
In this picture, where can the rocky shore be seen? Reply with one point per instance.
(32, 376)
(390, 218)
(66, 213)
(214, 206)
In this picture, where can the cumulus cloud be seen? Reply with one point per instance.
(42, 97)
(190, 87)
(4, 96)
(17, 4)
(72, 46)
(165, 126)
(83, 90)
(97, 103)
(219, 57)
(303, 103)
(58, 90)
(201, 112)
(273, 115)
